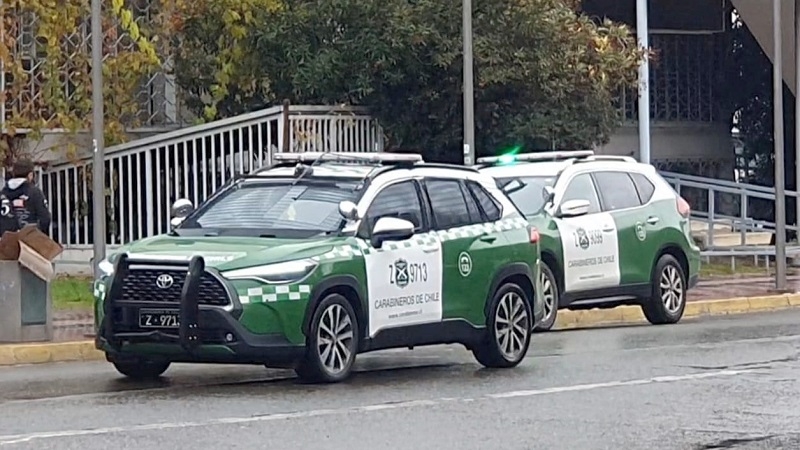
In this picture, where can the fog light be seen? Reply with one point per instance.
(229, 337)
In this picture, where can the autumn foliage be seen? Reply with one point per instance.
(546, 74)
(46, 53)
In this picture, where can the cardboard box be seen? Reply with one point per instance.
(32, 249)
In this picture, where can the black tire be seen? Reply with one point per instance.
(141, 370)
(319, 364)
(492, 351)
(549, 284)
(668, 292)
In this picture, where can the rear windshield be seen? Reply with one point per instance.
(527, 193)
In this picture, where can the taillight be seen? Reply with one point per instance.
(683, 207)
(533, 233)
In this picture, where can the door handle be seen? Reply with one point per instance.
(608, 230)
(652, 220)
(430, 249)
(488, 238)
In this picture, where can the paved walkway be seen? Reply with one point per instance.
(77, 325)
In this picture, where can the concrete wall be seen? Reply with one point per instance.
(675, 141)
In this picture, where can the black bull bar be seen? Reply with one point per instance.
(188, 332)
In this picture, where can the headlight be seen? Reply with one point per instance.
(106, 267)
(285, 272)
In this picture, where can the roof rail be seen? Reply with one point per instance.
(435, 165)
(348, 157)
(607, 158)
(537, 156)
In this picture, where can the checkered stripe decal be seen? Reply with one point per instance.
(351, 251)
(479, 229)
(99, 290)
(269, 294)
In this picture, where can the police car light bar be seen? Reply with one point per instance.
(538, 156)
(354, 157)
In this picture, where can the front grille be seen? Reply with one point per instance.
(140, 285)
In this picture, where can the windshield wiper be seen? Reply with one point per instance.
(267, 236)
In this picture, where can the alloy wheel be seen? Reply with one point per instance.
(512, 325)
(671, 287)
(335, 339)
(548, 297)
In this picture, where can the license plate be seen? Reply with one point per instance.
(159, 318)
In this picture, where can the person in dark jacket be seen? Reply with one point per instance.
(26, 200)
(8, 220)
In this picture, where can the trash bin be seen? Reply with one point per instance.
(26, 270)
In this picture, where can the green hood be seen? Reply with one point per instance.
(229, 253)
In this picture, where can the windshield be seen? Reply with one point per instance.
(275, 208)
(527, 193)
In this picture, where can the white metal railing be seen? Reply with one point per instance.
(145, 176)
(728, 203)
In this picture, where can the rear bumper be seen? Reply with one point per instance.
(209, 334)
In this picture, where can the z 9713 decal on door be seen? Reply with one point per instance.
(591, 252)
(404, 286)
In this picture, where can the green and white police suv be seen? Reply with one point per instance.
(322, 256)
(613, 231)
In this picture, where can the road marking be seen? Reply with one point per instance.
(23, 438)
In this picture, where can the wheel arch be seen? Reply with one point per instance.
(518, 273)
(549, 258)
(676, 252)
(345, 285)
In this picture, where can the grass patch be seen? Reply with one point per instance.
(72, 293)
(720, 267)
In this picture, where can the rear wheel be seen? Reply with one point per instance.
(668, 298)
(141, 370)
(550, 296)
(508, 329)
(332, 343)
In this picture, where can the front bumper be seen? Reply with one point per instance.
(207, 333)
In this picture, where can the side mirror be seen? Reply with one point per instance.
(180, 210)
(348, 210)
(574, 208)
(391, 229)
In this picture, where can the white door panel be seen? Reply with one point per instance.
(591, 252)
(404, 284)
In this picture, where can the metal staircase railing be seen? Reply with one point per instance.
(145, 176)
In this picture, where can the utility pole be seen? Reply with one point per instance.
(642, 36)
(469, 88)
(780, 180)
(797, 117)
(98, 144)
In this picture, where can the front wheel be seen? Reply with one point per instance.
(509, 326)
(332, 342)
(141, 370)
(668, 298)
(550, 296)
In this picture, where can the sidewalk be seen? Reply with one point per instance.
(739, 287)
(78, 325)
(72, 325)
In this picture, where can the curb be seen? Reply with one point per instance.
(624, 315)
(17, 354)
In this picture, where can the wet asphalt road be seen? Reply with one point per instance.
(717, 383)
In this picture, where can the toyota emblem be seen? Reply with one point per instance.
(165, 281)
